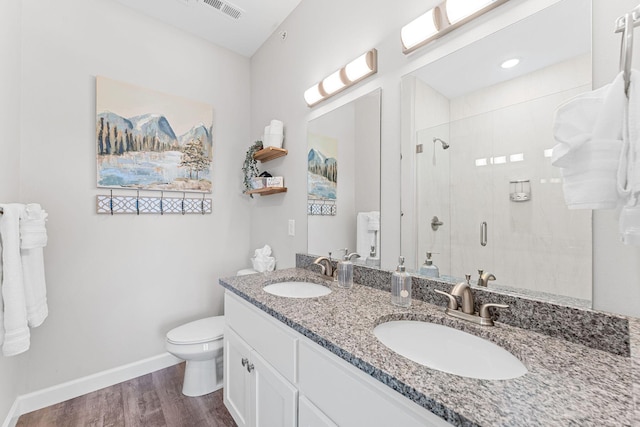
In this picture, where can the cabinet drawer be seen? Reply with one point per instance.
(350, 397)
(275, 342)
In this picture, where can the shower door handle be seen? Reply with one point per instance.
(483, 233)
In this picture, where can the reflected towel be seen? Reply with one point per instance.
(367, 223)
(33, 237)
(16, 332)
(629, 172)
(630, 225)
(589, 131)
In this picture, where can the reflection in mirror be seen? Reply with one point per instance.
(344, 212)
(483, 138)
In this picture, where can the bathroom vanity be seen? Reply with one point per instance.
(316, 362)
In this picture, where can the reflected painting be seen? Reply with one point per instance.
(322, 173)
(147, 140)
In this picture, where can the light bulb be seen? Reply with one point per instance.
(333, 83)
(313, 95)
(418, 30)
(359, 67)
(457, 10)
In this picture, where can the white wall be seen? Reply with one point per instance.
(9, 154)
(117, 284)
(320, 41)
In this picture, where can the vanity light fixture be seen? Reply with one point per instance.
(445, 17)
(358, 69)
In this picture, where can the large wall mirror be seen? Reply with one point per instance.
(484, 192)
(343, 208)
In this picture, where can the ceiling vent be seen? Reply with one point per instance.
(225, 7)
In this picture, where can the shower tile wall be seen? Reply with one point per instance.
(538, 244)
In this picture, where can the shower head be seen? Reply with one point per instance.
(444, 144)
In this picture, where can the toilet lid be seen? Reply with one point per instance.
(199, 331)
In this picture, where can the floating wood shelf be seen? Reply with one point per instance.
(269, 153)
(268, 190)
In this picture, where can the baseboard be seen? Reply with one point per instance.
(12, 416)
(59, 393)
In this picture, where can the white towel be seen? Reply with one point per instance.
(366, 235)
(16, 332)
(629, 170)
(589, 132)
(33, 237)
(374, 221)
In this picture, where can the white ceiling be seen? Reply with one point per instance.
(552, 35)
(258, 20)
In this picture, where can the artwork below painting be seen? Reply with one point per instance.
(151, 141)
(322, 175)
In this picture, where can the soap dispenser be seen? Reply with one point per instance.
(401, 286)
(428, 269)
(345, 270)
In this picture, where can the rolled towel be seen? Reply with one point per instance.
(16, 331)
(33, 236)
(374, 221)
(276, 127)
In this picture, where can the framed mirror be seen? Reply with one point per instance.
(484, 191)
(343, 171)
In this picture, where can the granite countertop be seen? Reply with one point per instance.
(567, 384)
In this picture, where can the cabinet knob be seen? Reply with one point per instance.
(245, 361)
(250, 367)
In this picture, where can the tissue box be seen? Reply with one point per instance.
(257, 183)
(275, 181)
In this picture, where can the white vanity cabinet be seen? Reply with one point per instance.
(274, 376)
(351, 398)
(256, 393)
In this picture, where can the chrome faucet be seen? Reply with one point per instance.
(326, 267)
(466, 311)
(484, 277)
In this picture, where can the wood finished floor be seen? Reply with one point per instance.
(153, 400)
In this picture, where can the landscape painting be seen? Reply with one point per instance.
(322, 175)
(147, 140)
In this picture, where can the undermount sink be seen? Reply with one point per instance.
(449, 350)
(297, 289)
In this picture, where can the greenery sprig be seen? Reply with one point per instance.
(250, 166)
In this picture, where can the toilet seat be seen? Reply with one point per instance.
(197, 332)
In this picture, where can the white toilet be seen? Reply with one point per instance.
(200, 344)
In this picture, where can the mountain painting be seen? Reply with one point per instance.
(322, 175)
(147, 140)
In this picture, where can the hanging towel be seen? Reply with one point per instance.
(589, 132)
(33, 237)
(367, 233)
(629, 169)
(16, 331)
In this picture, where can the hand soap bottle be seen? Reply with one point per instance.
(345, 270)
(401, 286)
(428, 269)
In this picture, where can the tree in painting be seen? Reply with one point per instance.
(194, 158)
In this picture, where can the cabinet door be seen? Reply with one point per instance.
(275, 399)
(237, 380)
(310, 416)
